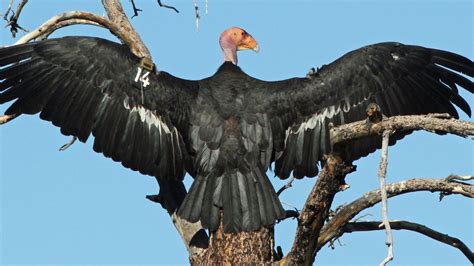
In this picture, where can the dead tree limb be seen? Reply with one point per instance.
(13, 20)
(167, 6)
(7, 118)
(127, 33)
(286, 186)
(316, 210)
(333, 228)
(67, 23)
(196, 13)
(437, 123)
(415, 227)
(69, 18)
(9, 8)
(382, 174)
(135, 9)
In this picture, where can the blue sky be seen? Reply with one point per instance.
(77, 207)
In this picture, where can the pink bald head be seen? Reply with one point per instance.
(236, 39)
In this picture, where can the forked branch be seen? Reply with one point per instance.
(13, 20)
(332, 229)
(315, 210)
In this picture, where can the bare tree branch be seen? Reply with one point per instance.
(333, 228)
(422, 229)
(189, 233)
(69, 144)
(438, 123)
(9, 8)
(125, 31)
(67, 23)
(196, 12)
(7, 118)
(382, 173)
(167, 6)
(13, 21)
(69, 18)
(135, 9)
(286, 186)
(319, 201)
(316, 209)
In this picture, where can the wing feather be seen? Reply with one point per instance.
(86, 85)
(402, 79)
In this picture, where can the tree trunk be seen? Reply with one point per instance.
(237, 249)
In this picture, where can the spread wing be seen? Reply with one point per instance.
(93, 86)
(401, 79)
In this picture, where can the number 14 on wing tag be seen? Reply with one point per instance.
(142, 76)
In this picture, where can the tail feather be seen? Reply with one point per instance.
(197, 201)
(247, 201)
(244, 200)
(190, 205)
(255, 219)
(232, 209)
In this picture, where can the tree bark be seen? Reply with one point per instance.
(238, 249)
(117, 17)
(316, 210)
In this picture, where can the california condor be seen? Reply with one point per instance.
(224, 130)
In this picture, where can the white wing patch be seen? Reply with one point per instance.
(328, 112)
(147, 116)
(395, 56)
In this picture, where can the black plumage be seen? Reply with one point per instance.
(227, 129)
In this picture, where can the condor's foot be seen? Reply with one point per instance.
(7, 118)
(374, 113)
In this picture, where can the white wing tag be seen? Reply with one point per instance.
(142, 76)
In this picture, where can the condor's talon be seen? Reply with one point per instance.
(374, 113)
(7, 118)
(67, 145)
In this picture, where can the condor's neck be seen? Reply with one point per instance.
(230, 50)
(230, 55)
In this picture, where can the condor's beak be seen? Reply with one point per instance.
(256, 48)
(249, 43)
